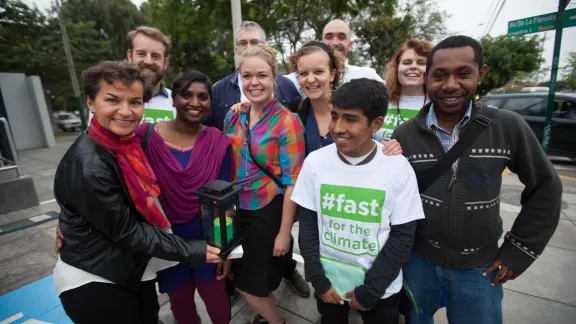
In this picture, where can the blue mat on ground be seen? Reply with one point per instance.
(36, 303)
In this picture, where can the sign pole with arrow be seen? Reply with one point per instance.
(555, 20)
(554, 74)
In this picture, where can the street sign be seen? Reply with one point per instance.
(540, 23)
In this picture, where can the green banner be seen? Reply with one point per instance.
(352, 203)
(152, 115)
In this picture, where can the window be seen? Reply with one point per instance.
(527, 106)
(566, 109)
(493, 102)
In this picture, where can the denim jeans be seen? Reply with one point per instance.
(469, 297)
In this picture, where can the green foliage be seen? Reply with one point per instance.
(31, 43)
(570, 71)
(382, 30)
(508, 56)
(561, 85)
(381, 42)
(201, 34)
(113, 19)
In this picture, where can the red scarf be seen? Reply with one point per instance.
(136, 170)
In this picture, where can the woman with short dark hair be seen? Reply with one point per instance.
(111, 221)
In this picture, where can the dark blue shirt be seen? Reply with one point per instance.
(314, 140)
(226, 93)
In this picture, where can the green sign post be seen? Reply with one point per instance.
(540, 23)
(559, 20)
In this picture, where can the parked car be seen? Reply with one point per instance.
(535, 89)
(532, 106)
(68, 122)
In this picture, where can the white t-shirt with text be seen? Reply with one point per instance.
(397, 113)
(357, 204)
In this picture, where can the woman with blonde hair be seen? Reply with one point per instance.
(268, 152)
(405, 81)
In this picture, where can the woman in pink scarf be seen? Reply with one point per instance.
(185, 155)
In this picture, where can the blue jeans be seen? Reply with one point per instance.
(469, 297)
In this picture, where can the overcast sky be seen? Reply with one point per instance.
(467, 15)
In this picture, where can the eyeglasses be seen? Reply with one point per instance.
(252, 42)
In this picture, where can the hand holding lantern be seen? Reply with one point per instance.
(219, 205)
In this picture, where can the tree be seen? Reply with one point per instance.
(289, 23)
(381, 43)
(508, 56)
(561, 85)
(428, 20)
(31, 43)
(570, 71)
(113, 19)
(201, 36)
(381, 29)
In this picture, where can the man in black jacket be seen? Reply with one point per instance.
(456, 246)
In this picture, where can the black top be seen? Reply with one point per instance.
(386, 266)
(463, 225)
(103, 232)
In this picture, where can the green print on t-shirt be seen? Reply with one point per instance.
(351, 219)
(393, 119)
(152, 115)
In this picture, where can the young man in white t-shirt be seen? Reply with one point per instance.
(358, 212)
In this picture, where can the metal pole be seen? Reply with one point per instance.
(541, 58)
(12, 145)
(71, 69)
(554, 73)
(236, 18)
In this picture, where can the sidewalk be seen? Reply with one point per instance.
(545, 293)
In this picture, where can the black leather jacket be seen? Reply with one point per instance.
(103, 232)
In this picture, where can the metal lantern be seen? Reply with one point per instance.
(219, 201)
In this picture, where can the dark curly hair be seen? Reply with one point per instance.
(112, 71)
(456, 42)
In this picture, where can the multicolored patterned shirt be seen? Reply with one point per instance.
(277, 144)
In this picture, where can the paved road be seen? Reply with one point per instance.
(546, 293)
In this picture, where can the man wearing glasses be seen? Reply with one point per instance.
(228, 91)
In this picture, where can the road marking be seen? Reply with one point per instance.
(12, 318)
(47, 201)
(39, 218)
(567, 178)
(35, 321)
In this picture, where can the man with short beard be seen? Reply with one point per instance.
(337, 34)
(457, 245)
(149, 50)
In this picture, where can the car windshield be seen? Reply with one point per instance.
(64, 117)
